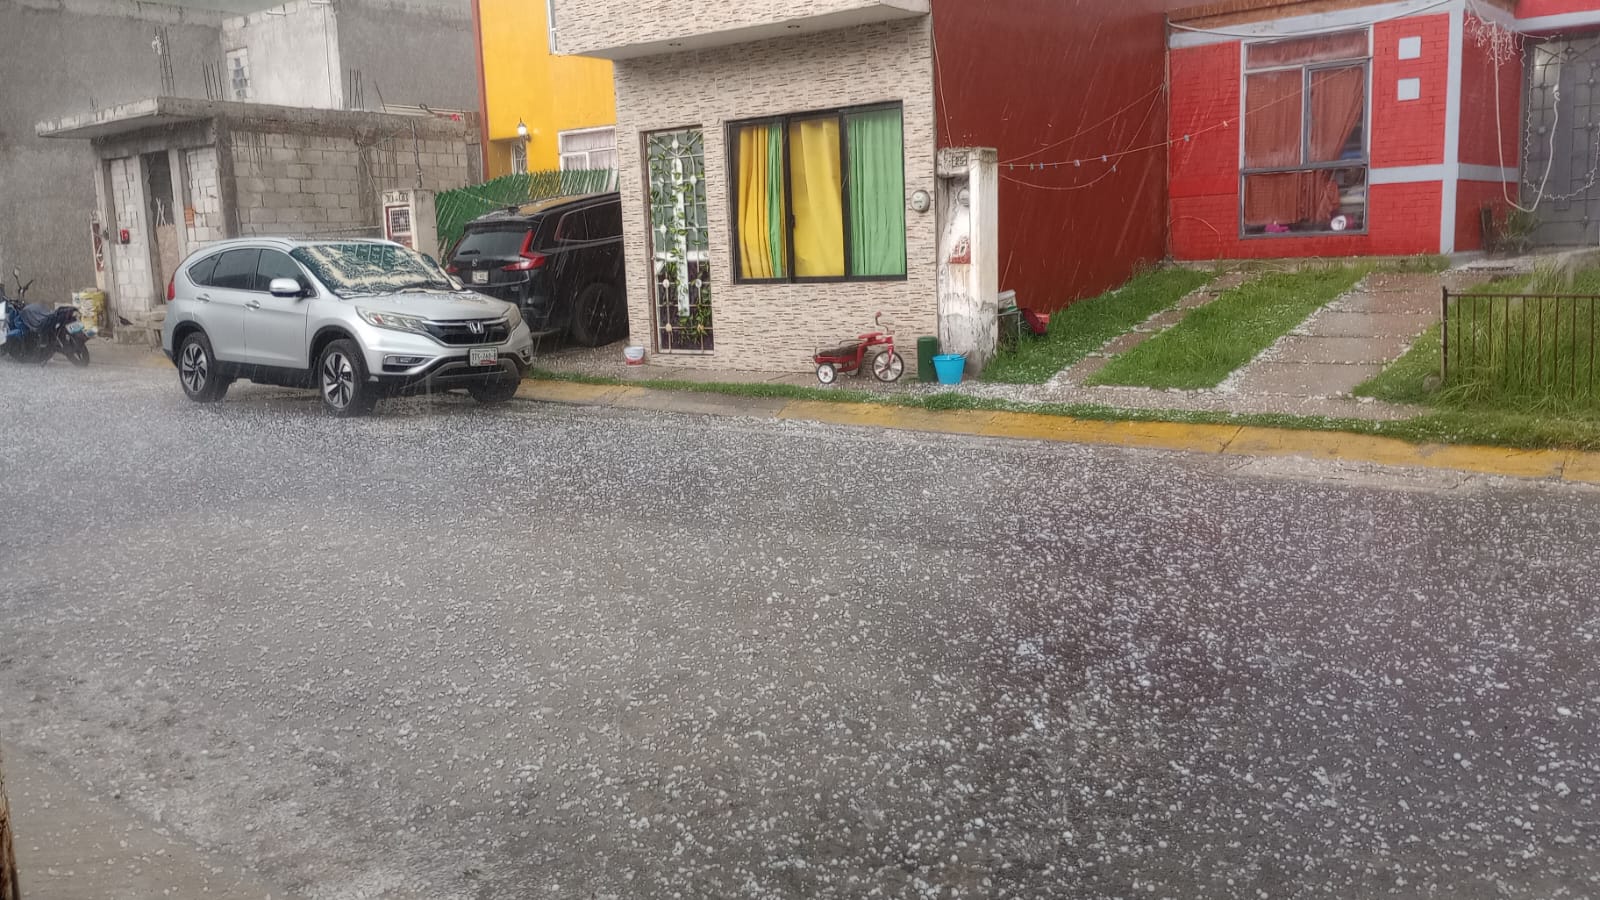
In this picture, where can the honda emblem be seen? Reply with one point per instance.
(475, 327)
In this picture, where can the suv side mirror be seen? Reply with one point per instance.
(285, 287)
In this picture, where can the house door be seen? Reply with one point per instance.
(165, 251)
(1562, 140)
(681, 288)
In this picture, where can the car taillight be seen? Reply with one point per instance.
(172, 288)
(530, 260)
(453, 269)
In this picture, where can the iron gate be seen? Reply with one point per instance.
(1561, 147)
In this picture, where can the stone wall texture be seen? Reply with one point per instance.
(778, 326)
(593, 25)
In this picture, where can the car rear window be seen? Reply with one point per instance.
(501, 242)
(200, 272)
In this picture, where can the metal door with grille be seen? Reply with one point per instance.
(679, 245)
(1561, 148)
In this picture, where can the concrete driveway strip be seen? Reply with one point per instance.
(551, 652)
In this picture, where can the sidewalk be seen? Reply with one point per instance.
(75, 845)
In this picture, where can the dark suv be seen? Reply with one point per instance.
(560, 260)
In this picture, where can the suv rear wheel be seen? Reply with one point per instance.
(342, 380)
(197, 370)
(596, 316)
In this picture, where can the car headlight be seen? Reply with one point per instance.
(513, 318)
(394, 321)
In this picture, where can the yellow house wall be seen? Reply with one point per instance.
(522, 80)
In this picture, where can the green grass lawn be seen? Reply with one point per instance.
(1085, 326)
(1214, 340)
(1495, 394)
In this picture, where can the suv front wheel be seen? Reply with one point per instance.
(342, 380)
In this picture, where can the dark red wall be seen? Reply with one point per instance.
(1036, 79)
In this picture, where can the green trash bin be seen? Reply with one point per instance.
(927, 349)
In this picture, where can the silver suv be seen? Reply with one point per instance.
(354, 319)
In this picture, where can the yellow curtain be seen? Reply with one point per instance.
(760, 203)
(818, 197)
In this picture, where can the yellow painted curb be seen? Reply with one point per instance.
(1197, 438)
(1582, 467)
(568, 392)
(1254, 441)
(1493, 460)
(1214, 439)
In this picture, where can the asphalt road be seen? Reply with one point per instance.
(547, 652)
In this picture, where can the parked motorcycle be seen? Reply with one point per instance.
(35, 332)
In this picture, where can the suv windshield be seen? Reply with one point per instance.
(365, 268)
(493, 242)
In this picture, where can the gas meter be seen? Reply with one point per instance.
(408, 219)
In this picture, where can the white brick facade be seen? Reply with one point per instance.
(778, 326)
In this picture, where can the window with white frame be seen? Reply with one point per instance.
(591, 148)
(1306, 119)
(519, 157)
(239, 74)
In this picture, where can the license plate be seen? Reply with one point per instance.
(486, 356)
(480, 277)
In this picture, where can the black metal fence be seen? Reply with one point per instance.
(1528, 345)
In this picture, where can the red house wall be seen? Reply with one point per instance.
(1527, 9)
(1479, 104)
(1481, 143)
(1203, 172)
(1050, 81)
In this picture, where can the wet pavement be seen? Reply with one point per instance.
(539, 651)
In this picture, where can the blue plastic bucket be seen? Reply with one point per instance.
(949, 366)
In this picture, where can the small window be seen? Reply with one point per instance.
(236, 270)
(592, 148)
(519, 157)
(277, 265)
(605, 222)
(494, 242)
(200, 272)
(573, 226)
(239, 74)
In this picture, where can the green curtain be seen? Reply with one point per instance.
(762, 248)
(877, 193)
(777, 217)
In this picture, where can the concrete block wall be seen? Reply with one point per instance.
(130, 262)
(205, 196)
(778, 326)
(67, 56)
(326, 184)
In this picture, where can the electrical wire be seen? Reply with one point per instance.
(1157, 90)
